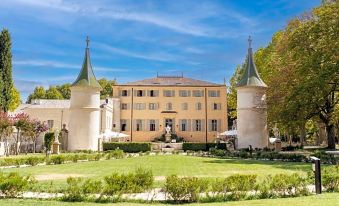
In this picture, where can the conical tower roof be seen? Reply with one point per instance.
(251, 76)
(86, 76)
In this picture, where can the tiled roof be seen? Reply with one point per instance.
(251, 76)
(171, 81)
(86, 76)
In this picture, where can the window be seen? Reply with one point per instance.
(169, 93)
(213, 93)
(139, 106)
(123, 125)
(140, 93)
(214, 125)
(152, 106)
(184, 93)
(152, 125)
(184, 106)
(50, 123)
(124, 93)
(169, 106)
(153, 93)
(138, 125)
(216, 106)
(124, 106)
(198, 93)
(184, 125)
(197, 125)
(198, 106)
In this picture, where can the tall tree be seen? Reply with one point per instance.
(107, 90)
(5, 70)
(16, 100)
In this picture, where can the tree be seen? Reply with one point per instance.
(6, 129)
(107, 90)
(53, 93)
(39, 128)
(65, 90)
(21, 123)
(16, 99)
(38, 93)
(5, 70)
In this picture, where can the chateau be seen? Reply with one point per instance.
(195, 110)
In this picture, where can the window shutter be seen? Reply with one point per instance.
(127, 124)
(219, 106)
(134, 125)
(218, 93)
(129, 92)
(156, 93)
(219, 125)
(173, 126)
(157, 125)
(143, 93)
(209, 125)
(188, 93)
(203, 125)
(189, 125)
(180, 124)
(148, 93)
(148, 125)
(135, 93)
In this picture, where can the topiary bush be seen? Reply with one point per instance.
(130, 147)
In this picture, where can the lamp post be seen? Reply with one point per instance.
(317, 174)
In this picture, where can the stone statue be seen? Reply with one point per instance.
(168, 134)
(168, 129)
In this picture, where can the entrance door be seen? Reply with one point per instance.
(170, 122)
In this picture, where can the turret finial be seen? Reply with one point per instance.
(249, 42)
(87, 42)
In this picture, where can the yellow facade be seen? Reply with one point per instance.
(145, 110)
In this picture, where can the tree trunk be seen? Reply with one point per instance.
(302, 134)
(330, 136)
(16, 143)
(34, 145)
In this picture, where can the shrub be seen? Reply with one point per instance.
(117, 184)
(92, 187)
(73, 192)
(34, 160)
(57, 159)
(330, 178)
(285, 185)
(116, 154)
(194, 146)
(132, 147)
(12, 184)
(217, 152)
(184, 189)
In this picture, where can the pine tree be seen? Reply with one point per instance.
(5, 70)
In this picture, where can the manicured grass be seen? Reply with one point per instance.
(314, 200)
(161, 166)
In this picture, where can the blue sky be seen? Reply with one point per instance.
(132, 40)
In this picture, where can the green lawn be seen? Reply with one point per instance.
(331, 199)
(161, 166)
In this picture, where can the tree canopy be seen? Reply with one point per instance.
(300, 66)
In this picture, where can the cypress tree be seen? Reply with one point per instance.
(6, 79)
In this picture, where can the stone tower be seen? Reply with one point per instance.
(84, 109)
(251, 107)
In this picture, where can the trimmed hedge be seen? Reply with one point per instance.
(132, 147)
(194, 146)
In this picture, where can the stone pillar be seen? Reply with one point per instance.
(277, 145)
(64, 137)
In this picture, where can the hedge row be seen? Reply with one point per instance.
(131, 147)
(52, 159)
(194, 146)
